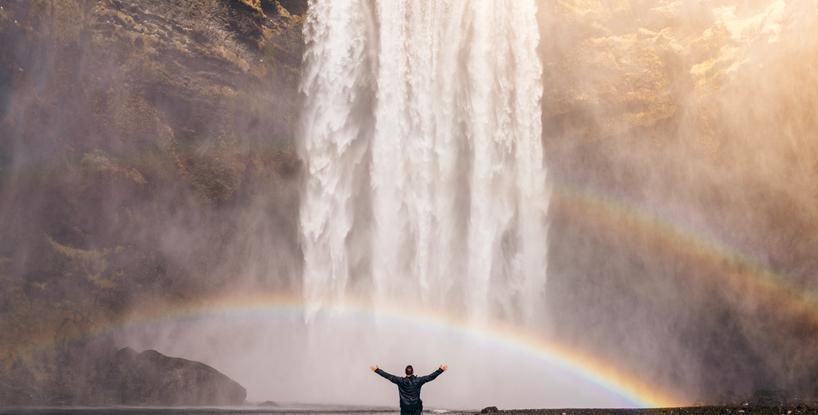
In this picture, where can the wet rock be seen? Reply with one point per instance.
(151, 378)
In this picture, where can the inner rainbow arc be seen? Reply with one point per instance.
(604, 374)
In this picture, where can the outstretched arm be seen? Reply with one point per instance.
(390, 377)
(430, 377)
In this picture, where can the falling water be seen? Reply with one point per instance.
(422, 140)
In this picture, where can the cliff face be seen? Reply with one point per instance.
(134, 137)
(688, 129)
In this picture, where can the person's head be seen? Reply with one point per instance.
(409, 371)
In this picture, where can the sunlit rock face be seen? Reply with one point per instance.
(140, 142)
(698, 117)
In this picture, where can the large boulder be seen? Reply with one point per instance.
(151, 378)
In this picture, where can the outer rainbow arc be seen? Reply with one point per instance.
(743, 274)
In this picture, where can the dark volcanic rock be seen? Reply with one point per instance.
(151, 378)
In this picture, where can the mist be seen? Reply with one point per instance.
(657, 211)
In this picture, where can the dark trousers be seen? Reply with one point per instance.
(411, 411)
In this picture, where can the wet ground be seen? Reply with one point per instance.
(704, 410)
(707, 410)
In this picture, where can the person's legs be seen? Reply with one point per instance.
(410, 411)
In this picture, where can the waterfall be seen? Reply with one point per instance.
(421, 136)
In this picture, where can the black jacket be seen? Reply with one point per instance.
(409, 387)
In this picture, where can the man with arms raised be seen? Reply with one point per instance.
(409, 387)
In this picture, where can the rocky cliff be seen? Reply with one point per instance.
(135, 134)
(681, 139)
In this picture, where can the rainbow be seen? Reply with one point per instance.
(737, 271)
(603, 374)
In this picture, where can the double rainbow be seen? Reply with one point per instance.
(739, 273)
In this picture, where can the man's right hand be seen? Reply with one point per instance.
(373, 368)
(444, 367)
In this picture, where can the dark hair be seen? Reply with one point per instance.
(409, 370)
